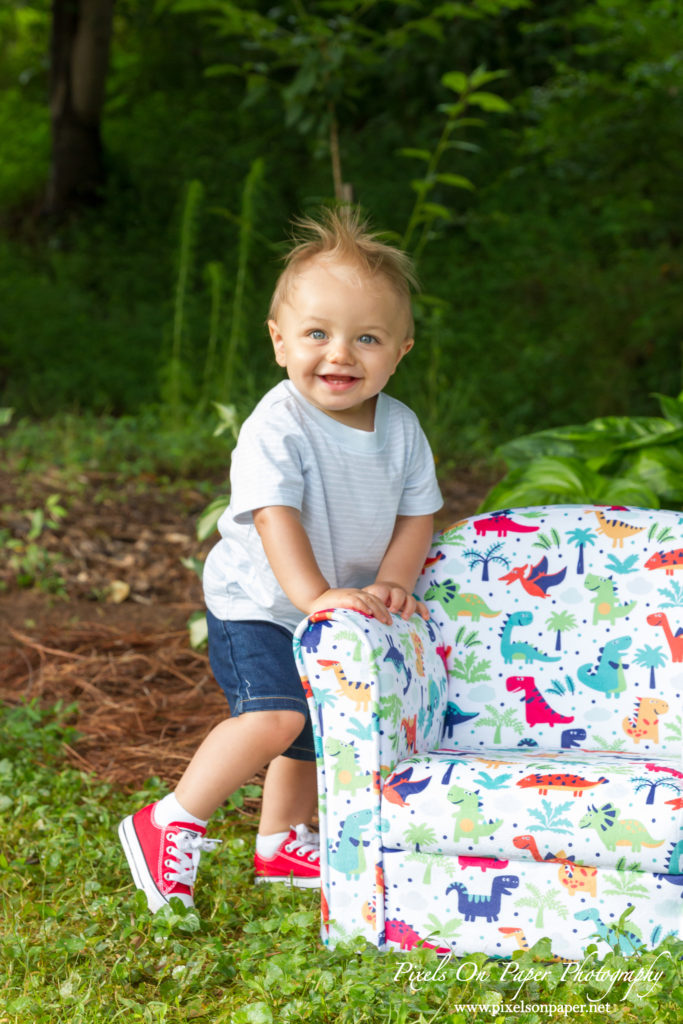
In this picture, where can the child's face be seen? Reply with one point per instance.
(340, 334)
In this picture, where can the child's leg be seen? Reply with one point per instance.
(232, 752)
(290, 795)
(163, 846)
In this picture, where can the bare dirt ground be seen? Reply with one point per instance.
(114, 638)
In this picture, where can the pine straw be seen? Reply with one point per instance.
(145, 701)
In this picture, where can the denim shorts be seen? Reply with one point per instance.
(254, 666)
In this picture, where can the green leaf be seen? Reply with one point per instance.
(437, 210)
(419, 154)
(671, 407)
(489, 101)
(456, 81)
(456, 180)
(208, 520)
(481, 77)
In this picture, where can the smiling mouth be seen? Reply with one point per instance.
(338, 380)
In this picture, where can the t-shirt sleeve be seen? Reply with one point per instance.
(421, 495)
(266, 470)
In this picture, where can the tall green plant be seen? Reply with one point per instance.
(246, 237)
(426, 213)
(174, 370)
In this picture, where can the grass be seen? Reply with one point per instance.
(78, 945)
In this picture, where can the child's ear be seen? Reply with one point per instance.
(278, 343)
(403, 349)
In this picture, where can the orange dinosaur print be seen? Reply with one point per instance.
(645, 723)
(675, 640)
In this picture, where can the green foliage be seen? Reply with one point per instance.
(80, 945)
(29, 559)
(126, 445)
(553, 290)
(614, 460)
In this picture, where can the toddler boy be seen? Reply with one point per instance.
(333, 492)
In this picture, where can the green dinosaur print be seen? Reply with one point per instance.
(629, 832)
(469, 821)
(454, 603)
(347, 774)
(606, 602)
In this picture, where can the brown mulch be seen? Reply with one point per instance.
(145, 698)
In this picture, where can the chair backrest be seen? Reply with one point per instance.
(562, 628)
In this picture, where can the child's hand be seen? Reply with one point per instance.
(366, 601)
(397, 599)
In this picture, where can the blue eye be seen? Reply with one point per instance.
(368, 339)
(317, 334)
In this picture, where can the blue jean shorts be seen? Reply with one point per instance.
(254, 666)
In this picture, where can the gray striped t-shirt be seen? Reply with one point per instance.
(348, 485)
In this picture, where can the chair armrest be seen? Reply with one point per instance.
(376, 694)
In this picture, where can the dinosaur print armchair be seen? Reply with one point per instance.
(510, 769)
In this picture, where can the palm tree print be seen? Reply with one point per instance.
(579, 538)
(560, 622)
(550, 819)
(499, 720)
(540, 902)
(652, 785)
(484, 558)
(650, 658)
(471, 669)
(419, 835)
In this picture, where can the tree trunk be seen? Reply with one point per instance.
(79, 57)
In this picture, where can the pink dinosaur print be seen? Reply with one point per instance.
(501, 524)
(485, 863)
(406, 936)
(536, 707)
(661, 768)
(443, 653)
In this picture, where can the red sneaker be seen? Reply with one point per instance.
(163, 859)
(297, 860)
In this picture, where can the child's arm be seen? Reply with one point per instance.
(291, 558)
(401, 565)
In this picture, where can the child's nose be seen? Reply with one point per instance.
(340, 351)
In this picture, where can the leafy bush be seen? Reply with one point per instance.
(611, 461)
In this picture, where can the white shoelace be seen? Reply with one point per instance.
(185, 853)
(307, 843)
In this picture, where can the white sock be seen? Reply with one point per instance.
(267, 846)
(169, 809)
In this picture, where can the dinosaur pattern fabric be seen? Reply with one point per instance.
(512, 768)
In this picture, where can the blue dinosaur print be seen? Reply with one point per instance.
(312, 635)
(454, 716)
(473, 905)
(349, 856)
(622, 941)
(572, 738)
(398, 660)
(608, 676)
(517, 650)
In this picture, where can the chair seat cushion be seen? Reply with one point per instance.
(603, 809)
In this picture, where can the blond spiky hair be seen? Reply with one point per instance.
(343, 236)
